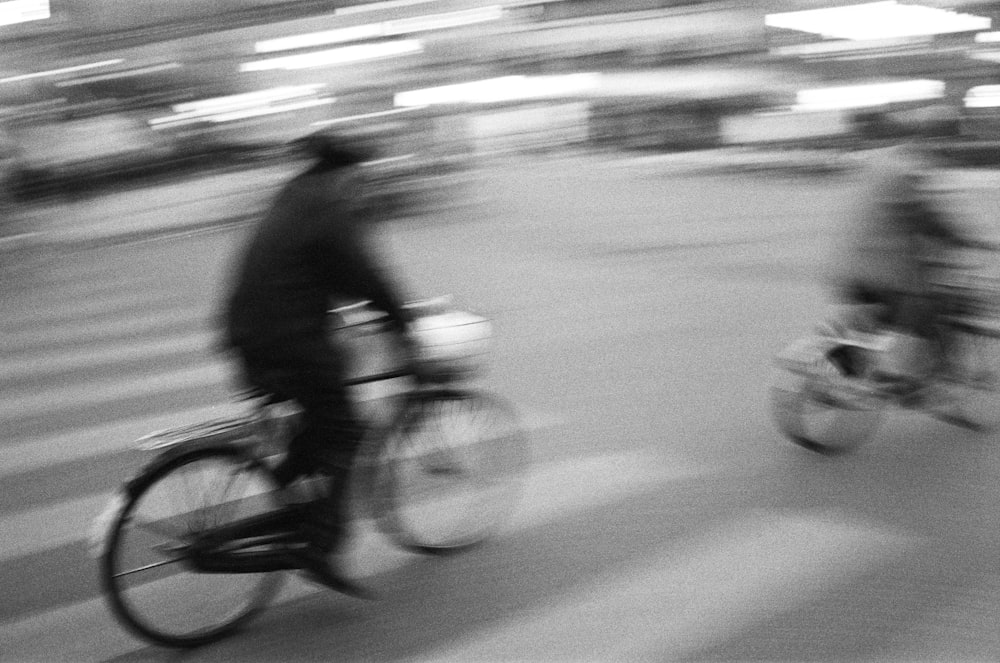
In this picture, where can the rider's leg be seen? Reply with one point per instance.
(922, 313)
(311, 372)
(330, 435)
(326, 445)
(863, 311)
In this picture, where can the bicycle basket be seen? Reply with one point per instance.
(453, 344)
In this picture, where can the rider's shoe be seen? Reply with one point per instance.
(957, 418)
(944, 406)
(317, 567)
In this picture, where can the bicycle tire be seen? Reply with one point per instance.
(450, 469)
(166, 604)
(815, 424)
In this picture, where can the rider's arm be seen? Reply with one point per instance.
(348, 255)
(930, 222)
(381, 290)
(368, 274)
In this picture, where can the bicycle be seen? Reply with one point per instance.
(834, 386)
(190, 548)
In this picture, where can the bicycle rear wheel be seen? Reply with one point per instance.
(451, 468)
(149, 582)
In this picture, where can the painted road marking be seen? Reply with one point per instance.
(563, 488)
(46, 362)
(95, 394)
(692, 597)
(34, 530)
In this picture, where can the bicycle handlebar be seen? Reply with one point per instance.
(379, 377)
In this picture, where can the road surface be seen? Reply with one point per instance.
(664, 518)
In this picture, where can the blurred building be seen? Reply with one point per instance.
(130, 86)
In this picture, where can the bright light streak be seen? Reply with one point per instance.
(378, 6)
(983, 96)
(242, 106)
(64, 70)
(849, 46)
(22, 11)
(324, 38)
(366, 116)
(987, 37)
(335, 56)
(878, 20)
(385, 29)
(152, 69)
(270, 110)
(863, 96)
(989, 56)
(454, 19)
(504, 88)
(215, 104)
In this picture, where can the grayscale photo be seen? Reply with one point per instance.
(500, 331)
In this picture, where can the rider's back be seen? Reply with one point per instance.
(881, 244)
(305, 247)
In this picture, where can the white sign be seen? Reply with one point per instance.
(22, 11)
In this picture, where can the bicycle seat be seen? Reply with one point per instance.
(263, 384)
(255, 393)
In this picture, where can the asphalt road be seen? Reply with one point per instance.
(637, 312)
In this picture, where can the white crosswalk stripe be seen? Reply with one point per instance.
(81, 353)
(115, 325)
(553, 491)
(684, 598)
(105, 352)
(691, 597)
(96, 394)
(81, 310)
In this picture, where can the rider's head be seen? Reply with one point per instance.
(930, 122)
(916, 124)
(335, 150)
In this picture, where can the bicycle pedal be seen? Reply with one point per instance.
(316, 568)
(960, 420)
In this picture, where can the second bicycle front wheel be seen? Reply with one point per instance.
(146, 572)
(451, 469)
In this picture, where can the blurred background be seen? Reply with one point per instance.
(641, 194)
(95, 92)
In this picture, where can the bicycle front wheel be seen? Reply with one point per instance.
(813, 418)
(151, 586)
(451, 469)
(975, 387)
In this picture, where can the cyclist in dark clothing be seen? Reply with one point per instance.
(898, 236)
(310, 251)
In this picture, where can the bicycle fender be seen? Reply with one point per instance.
(170, 454)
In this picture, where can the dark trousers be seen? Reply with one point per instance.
(311, 371)
(911, 312)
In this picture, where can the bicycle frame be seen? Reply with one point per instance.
(235, 547)
(856, 350)
(228, 548)
(259, 543)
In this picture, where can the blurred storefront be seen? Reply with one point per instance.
(188, 81)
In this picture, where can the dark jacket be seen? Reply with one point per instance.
(309, 252)
(895, 226)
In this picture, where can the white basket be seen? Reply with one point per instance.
(453, 344)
